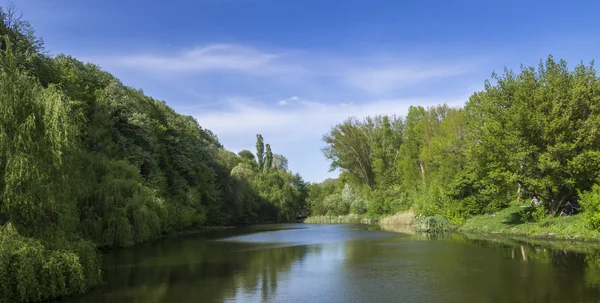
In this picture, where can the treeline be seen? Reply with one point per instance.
(88, 162)
(532, 132)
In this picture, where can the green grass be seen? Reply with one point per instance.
(506, 222)
(345, 219)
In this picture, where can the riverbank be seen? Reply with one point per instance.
(401, 221)
(508, 222)
(406, 218)
(344, 219)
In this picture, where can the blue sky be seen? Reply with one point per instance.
(291, 70)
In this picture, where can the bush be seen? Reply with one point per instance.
(532, 214)
(353, 200)
(590, 202)
(334, 204)
(432, 225)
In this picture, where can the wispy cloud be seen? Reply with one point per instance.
(367, 74)
(287, 101)
(213, 57)
(384, 79)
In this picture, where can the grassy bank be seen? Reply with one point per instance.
(345, 219)
(508, 222)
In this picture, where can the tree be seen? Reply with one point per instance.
(260, 151)
(386, 149)
(280, 162)
(537, 127)
(268, 158)
(349, 147)
(410, 166)
(247, 155)
(38, 132)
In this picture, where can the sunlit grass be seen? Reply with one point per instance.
(505, 222)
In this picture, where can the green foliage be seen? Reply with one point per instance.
(387, 201)
(432, 225)
(532, 214)
(590, 201)
(317, 193)
(349, 148)
(260, 151)
(36, 131)
(537, 127)
(280, 162)
(247, 155)
(268, 158)
(31, 272)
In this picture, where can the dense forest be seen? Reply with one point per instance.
(87, 162)
(536, 132)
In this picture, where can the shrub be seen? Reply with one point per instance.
(532, 214)
(590, 201)
(432, 225)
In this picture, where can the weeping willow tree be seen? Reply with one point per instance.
(38, 133)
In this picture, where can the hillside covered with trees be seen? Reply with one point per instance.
(532, 132)
(87, 162)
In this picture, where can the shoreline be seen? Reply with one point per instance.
(504, 223)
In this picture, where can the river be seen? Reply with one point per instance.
(345, 263)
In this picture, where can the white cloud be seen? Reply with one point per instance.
(287, 101)
(213, 57)
(385, 79)
(376, 75)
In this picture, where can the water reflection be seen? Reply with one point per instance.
(347, 263)
(189, 269)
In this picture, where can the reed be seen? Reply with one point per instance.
(399, 218)
(344, 219)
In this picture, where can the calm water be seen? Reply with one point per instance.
(345, 263)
